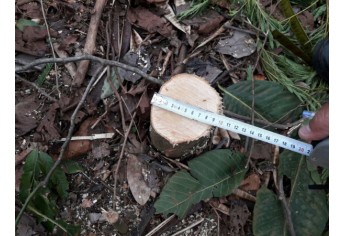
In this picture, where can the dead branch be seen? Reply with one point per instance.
(102, 61)
(51, 47)
(90, 41)
(62, 150)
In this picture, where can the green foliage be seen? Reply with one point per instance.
(287, 72)
(107, 88)
(268, 214)
(196, 8)
(213, 174)
(43, 202)
(309, 208)
(71, 167)
(42, 77)
(272, 101)
(22, 23)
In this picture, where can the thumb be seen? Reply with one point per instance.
(318, 127)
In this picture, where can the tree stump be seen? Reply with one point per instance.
(176, 136)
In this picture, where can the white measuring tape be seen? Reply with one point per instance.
(227, 123)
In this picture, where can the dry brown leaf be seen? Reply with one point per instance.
(110, 216)
(139, 188)
(251, 183)
(25, 119)
(259, 77)
(86, 203)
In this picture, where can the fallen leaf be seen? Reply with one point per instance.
(94, 217)
(25, 120)
(47, 128)
(139, 59)
(32, 10)
(251, 183)
(145, 19)
(238, 45)
(259, 77)
(239, 214)
(110, 216)
(100, 150)
(79, 147)
(86, 203)
(136, 181)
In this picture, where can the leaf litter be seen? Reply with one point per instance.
(89, 202)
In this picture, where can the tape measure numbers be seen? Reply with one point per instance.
(227, 123)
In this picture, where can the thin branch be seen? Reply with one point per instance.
(102, 61)
(36, 87)
(120, 158)
(158, 227)
(253, 100)
(51, 47)
(189, 227)
(90, 43)
(287, 212)
(62, 150)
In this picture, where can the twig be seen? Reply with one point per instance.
(90, 41)
(158, 227)
(120, 158)
(253, 100)
(189, 227)
(243, 194)
(287, 212)
(51, 47)
(218, 227)
(36, 87)
(92, 58)
(62, 151)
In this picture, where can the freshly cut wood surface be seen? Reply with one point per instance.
(175, 135)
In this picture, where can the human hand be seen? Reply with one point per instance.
(318, 127)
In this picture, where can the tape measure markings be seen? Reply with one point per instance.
(214, 119)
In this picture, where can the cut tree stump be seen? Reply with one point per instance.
(176, 136)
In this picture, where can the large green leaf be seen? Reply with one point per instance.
(309, 208)
(272, 101)
(268, 214)
(213, 174)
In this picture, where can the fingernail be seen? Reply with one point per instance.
(304, 131)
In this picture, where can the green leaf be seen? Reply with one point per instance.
(213, 174)
(309, 208)
(22, 23)
(30, 175)
(70, 229)
(268, 214)
(272, 101)
(106, 89)
(71, 167)
(42, 77)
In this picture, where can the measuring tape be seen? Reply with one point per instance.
(227, 123)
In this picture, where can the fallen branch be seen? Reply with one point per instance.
(62, 150)
(102, 61)
(90, 41)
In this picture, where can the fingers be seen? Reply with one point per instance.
(318, 127)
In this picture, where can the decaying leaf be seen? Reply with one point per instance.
(86, 203)
(25, 116)
(238, 45)
(251, 183)
(110, 216)
(136, 179)
(239, 215)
